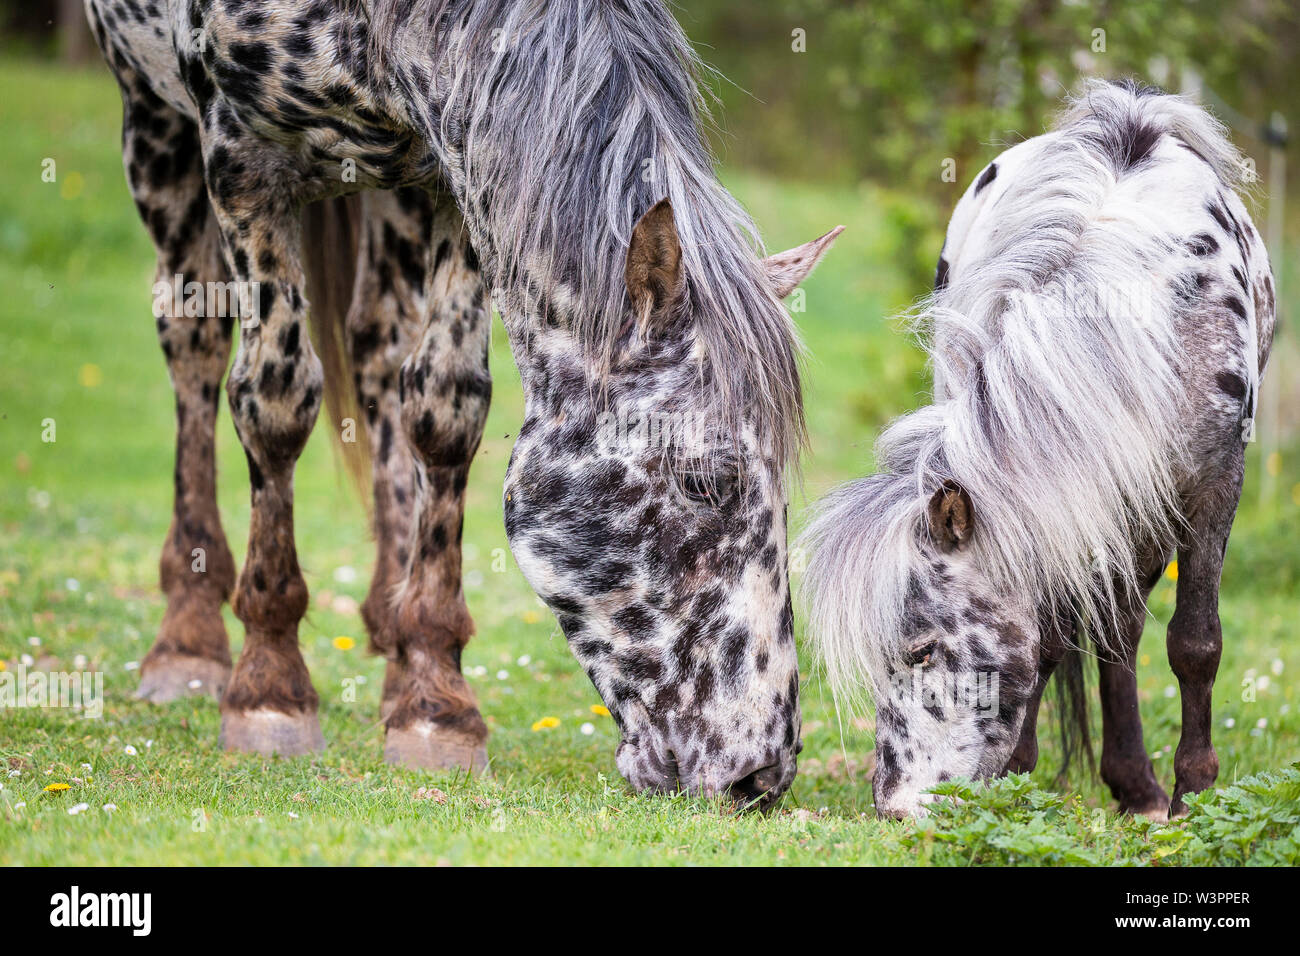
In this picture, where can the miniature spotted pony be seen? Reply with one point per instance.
(550, 153)
(1101, 319)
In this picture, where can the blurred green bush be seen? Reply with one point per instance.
(898, 91)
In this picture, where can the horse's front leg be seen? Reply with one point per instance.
(444, 389)
(274, 388)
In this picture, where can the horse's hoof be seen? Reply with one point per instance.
(427, 746)
(272, 732)
(393, 679)
(172, 676)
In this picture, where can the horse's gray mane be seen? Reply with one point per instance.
(1065, 434)
(571, 120)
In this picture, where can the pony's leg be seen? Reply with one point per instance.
(1195, 638)
(191, 654)
(274, 389)
(444, 388)
(1125, 765)
(1051, 651)
(389, 308)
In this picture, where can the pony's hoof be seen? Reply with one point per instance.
(172, 676)
(272, 732)
(426, 746)
(1156, 811)
(1153, 806)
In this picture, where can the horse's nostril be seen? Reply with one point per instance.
(672, 771)
(763, 786)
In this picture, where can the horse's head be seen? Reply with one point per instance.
(653, 524)
(900, 603)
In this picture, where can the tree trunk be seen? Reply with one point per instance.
(76, 45)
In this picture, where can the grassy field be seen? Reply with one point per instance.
(82, 520)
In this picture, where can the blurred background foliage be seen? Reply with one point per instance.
(884, 92)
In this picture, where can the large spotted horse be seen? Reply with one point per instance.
(1102, 317)
(549, 152)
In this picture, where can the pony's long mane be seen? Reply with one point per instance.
(562, 124)
(1057, 402)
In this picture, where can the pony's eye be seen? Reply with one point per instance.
(919, 656)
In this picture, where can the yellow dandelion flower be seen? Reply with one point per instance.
(344, 643)
(600, 710)
(1146, 660)
(56, 787)
(1171, 572)
(1274, 464)
(531, 617)
(3, 666)
(546, 723)
(73, 185)
(90, 375)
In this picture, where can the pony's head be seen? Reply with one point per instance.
(951, 657)
(651, 519)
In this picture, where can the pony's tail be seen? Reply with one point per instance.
(1070, 680)
(330, 239)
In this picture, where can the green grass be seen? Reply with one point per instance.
(82, 520)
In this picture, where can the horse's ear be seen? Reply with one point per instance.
(785, 270)
(952, 517)
(654, 264)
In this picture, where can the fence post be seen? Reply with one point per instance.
(1275, 134)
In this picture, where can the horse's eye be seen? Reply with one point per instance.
(919, 656)
(710, 487)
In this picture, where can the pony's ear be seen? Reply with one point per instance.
(654, 264)
(785, 270)
(952, 517)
